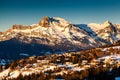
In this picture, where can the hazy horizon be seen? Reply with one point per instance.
(27, 12)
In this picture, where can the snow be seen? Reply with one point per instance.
(23, 54)
(64, 32)
(8, 33)
(61, 73)
(77, 69)
(4, 73)
(106, 35)
(62, 21)
(107, 59)
(34, 29)
(56, 30)
(26, 73)
(2, 62)
(72, 67)
(2, 35)
(91, 40)
(34, 25)
(27, 30)
(96, 27)
(116, 47)
(50, 68)
(85, 27)
(14, 74)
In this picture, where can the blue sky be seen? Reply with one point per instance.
(28, 12)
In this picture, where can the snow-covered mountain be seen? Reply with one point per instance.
(59, 34)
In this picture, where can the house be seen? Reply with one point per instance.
(84, 62)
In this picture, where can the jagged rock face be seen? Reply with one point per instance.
(20, 27)
(110, 32)
(1, 33)
(44, 22)
(107, 31)
(107, 23)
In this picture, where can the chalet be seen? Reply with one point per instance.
(84, 62)
(43, 61)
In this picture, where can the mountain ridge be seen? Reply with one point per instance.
(61, 35)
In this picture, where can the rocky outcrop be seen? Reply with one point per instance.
(21, 27)
(1, 33)
(44, 22)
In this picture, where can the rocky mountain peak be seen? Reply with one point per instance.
(44, 22)
(107, 22)
(54, 21)
(0, 33)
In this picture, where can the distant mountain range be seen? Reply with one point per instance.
(55, 35)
